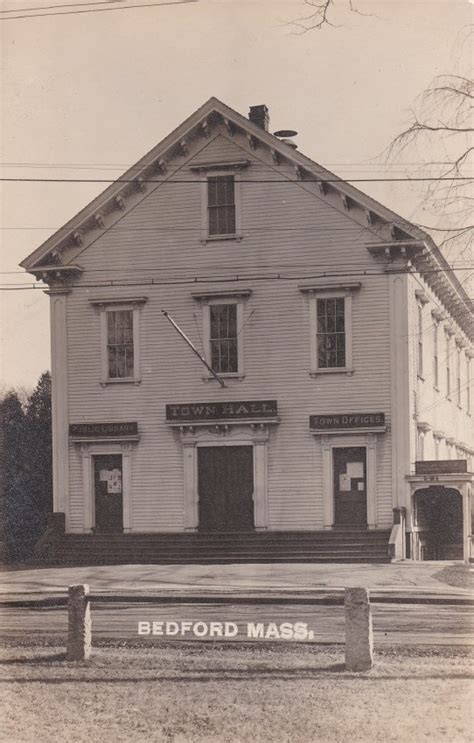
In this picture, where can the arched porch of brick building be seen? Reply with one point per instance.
(439, 518)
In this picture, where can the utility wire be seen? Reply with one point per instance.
(232, 278)
(27, 164)
(238, 267)
(248, 231)
(174, 181)
(97, 10)
(57, 7)
(446, 399)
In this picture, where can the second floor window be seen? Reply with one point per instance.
(435, 356)
(331, 333)
(120, 344)
(119, 338)
(221, 205)
(224, 338)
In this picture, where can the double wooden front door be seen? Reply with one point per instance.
(108, 492)
(225, 477)
(350, 486)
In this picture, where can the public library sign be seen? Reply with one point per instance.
(220, 411)
(103, 430)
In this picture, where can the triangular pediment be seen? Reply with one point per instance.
(217, 135)
(160, 164)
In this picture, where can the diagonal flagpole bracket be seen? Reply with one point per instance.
(193, 347)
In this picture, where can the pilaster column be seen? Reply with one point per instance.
(191, 516)
(260, 480)
(466, 521)
(371, 481)
(88, 500)
(127, 486)
(59, 399)
(328, 500)
(400, 400)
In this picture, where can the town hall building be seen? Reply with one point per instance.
(252, 360)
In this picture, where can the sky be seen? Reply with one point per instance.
(88, 93)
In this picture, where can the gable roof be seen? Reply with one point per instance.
(392, 230)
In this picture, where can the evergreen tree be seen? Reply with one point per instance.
(27, 463)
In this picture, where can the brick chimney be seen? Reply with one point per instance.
(259, 115)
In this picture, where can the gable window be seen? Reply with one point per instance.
(330, 316)
(223, 325)
(221, 205)
(119, 339)
(221, 213)
(331, 333)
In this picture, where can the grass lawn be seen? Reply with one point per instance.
(460, 576)
(226, 693)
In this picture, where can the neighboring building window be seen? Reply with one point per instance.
(420, 454)
(458, 376)
(119, 339)
(468, 384)
(331, 333)
(448, 366)
(435, 356)
(221, 205)
(120, 344)
(223, 340)
(420, 340)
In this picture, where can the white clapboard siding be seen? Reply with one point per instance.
(286, 230)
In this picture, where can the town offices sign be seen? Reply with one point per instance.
(221, 411)
(347, 422)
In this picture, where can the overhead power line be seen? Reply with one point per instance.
(94, 10)
(57, 7)
(230, 278)
(117, 166)
(120, 229)
(321, 267)
(175, 181)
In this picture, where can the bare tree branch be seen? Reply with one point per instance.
(321, 14)
(442, 122)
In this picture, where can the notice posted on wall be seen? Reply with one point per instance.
(113, 478)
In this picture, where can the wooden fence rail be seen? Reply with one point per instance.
(359, 641)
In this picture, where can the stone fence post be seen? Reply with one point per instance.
(79, 623)
(358, 629)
